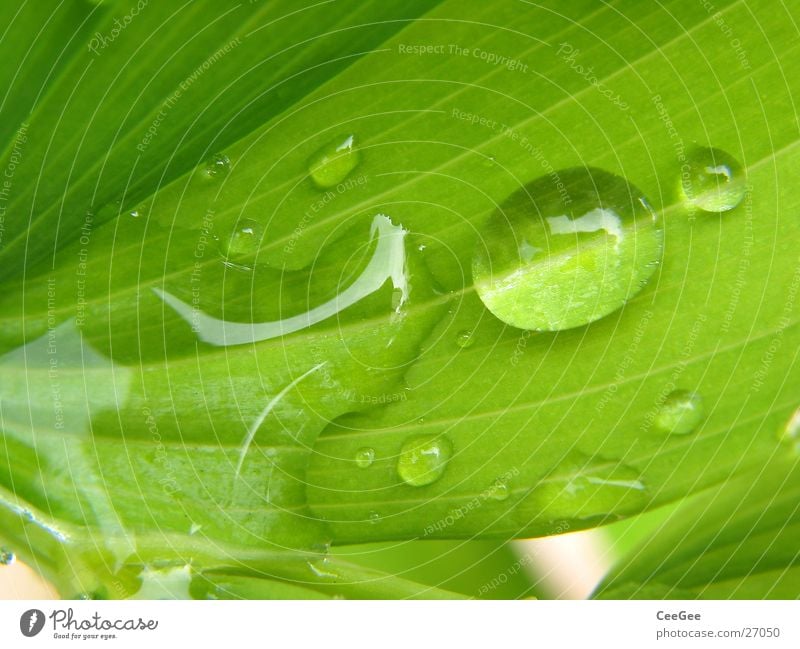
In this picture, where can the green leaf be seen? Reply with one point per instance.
(734, 541)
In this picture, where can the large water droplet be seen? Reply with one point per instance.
(566, 250)
(218, 165)
(6, 557)
(423, 459)
(680, 413)
(712, 180)
(365, 457)
(332, 163)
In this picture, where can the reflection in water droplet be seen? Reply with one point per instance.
(712, 180)
(563, 253)
(365, 457)
(243, 241)
(6, 557)
(681, 413)
(332, 163)
(218, 165)
(423, 460)
(465, 339)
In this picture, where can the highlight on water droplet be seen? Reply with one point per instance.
(465, 339)
(6, 557)
(423, 459)
(680, 413)
(498, 490)
(365, 457)
(712, 180)
(243, 241)
(134, 214)
(218, 165)
(566, 250)
(332, 163)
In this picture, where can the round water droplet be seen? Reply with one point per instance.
(6, 557)
(681, 413)
(218, 165)
(712, 180)
(465, 339)
(499, 490)
(365, 457)
(423, 459)
(566, 250)
(243, 241)
(332, 163)
(374, 518)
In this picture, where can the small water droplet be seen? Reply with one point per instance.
(465, 339)
(218, 165)
(374, 518)
(562, 254)
(365, 457)
(680, 413)
(6, 557)
(332, 163)
(243, 242)
(489, 161)
(499, 490)
(422, 247)
(423, 460)
(712, 180)
(135, 214)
